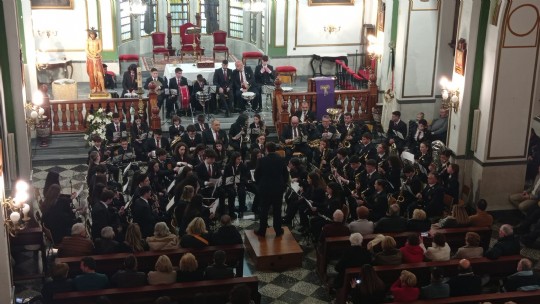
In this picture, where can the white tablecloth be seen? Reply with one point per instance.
(190, 72)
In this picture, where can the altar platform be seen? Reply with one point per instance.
(271, 253)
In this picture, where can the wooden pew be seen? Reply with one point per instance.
(521, 297)
(215, 291)
(333, 247)
(111, 263)
(390, 273)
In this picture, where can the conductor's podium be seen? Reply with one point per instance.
(271, 253)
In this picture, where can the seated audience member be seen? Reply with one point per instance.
(188, 269)
(335, 228)
(59, 283)
(466, 283)
(370, 290)
(106, 244)
(437, 289)
(404, 289)
(163, 239)
(472, 248)
(164, 273)
(129, 277)
(481, 218)
(440, 251)
(419, 221)
(362, 225)
(197, 236)
(523, 279)
(227, 234)
(90, 279)
(458, 218)
(354, 256)
(133, 241)
(389, 255)
(507, 244)
(392, 222)
(413, 251)
(240, 294)
(219, 270)
(78, 244)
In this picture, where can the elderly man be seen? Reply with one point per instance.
(78, 244)
(439, 126)
(243, 80)
(295, 138)
(466, 283)
(362, 224)
(354, 256)
(336, 228)
(507, 244)
(392, 222)
(214, 134)
(523, 279)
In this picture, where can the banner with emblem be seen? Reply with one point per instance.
(325, 87)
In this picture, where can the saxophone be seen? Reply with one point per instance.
(345, 143)
(323, 156)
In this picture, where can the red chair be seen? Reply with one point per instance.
(186, 41)
(127, 58)
(251, 55)
(158, 44)
(220, 43)
(286, 70)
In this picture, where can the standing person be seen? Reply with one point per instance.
(94, 64)
(271, 176)
(397, 131)
(264, 75)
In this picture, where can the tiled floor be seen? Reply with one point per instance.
(300, 285)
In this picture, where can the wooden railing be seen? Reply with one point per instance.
(69, 116)
(357, 102)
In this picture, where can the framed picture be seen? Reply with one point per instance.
(51, 4)
(461, 57)
(330, 2)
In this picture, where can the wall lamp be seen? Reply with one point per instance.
(15, 207)
(450, 94)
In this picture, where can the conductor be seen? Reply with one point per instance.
(272, 177)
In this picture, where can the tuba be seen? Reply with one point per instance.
(437, 147)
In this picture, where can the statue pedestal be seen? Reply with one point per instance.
(99, 95)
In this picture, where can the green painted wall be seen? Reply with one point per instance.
(272, 50)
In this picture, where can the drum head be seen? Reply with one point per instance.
(248, 95)
(286, 89)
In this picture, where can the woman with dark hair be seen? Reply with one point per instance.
(324, 212)
(257, 127)
(424, 159)
(185, 178)
(392, 173)
(51, 179)
(298, 174)
(314, 191)
(440, 251)
(368, 288)
(221, 154)
(181, 155)
(129, 80)
(153, 175)
(58, 215)
(422, 135)
(451, 184)
(193, 209)
(198, 155)
(179, 208)
(237, 171)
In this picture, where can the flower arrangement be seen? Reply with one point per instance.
(96, 124)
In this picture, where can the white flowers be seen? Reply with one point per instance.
(100, 110)
(96, 124)
(90, 117)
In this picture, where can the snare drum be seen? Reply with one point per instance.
(268, 89)
(202, 97)
(287, 89)
(248, 96)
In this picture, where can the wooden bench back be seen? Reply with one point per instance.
(521, 297)
(111, 263)
(214, 291)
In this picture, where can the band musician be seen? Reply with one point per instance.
(199, 86)
(295, 139)
(161, 85)
(191, 138)
(264, 75)
(238, 135)
(158, 142)
(350, 132)
(235, 178)
(243, 81)
(328, 132)
(366, 148)
(222, 79)
(397, 131)
(114, 130)
(304, 114)
(175, 98)
(431, 198)
(410, 187)
(208, 174)
(377, 202)
(322, 156)
(212, 135)
(201, 124)
(139, 134)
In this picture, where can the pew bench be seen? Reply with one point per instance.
(501, 267)
(109, 264)
(214, 291)
(521, 297)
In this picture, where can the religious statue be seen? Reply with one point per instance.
(94, 63)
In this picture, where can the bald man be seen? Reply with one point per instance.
(243, 80)
(507, 244)
(336, 228)
(296, 135)
(466, 283)
(523, 279)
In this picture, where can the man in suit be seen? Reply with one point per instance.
(160, 88)
(110, 82)
(207, 170)
(272, 176)
(176, 129)
(158, 142)
(129, 80)
(264, 75)
(176, 98)
(100, 213)
(327, 131)
(392, 222)
(243, 81)
(201, 124)
(142, 212)
(350, 132)
(222, 79)
(139, 134)
(377, 202)
(210, 136)
(115, 130)
(397, 131)
(191, 138)
(304, 114)
(431, 197)
(295, 135)
(466, 283)
(366, 149)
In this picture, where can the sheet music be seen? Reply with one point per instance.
(398, 134)
(124, 134)
(254, 131)
(295, 186)
(252, 171)
(127, 168)
(171, 186)
(215, 181)
(422, 169)
(173, 91)
(231, 179)
(170, 204)
(116, 135)
(408, 156)
(143, 136)
(167, 92)
(213, 206)
(327, 135)
(125, 188)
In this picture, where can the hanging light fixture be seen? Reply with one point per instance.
(137, 7)
(254, 6)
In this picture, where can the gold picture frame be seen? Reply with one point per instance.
(330, 2)
(461, 57)
(51, 4)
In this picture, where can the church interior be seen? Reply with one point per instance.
(465, 70)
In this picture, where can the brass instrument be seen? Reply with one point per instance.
(393, 149)
(400, 199)
(314, 143)
(244, 136)
(333, 112)
(176, 140)
(345, 143)
(323, 156)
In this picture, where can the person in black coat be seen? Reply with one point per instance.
(397, 131)
(377, 202)
(210, 136)
(129, 80)
(393, 222)
(271, 176)
(222, 79)
(60, 218)
(174, 99)
(522, 278)
(142, 212)
(115, 130)
(466, 283)
(139, 134)
(237, 170)
(158, 142)
(208, 170)
(431, 198)
(227, 234)
(304, 114)
(243, 80)
(159, 88)
(507, 244)
(176, 129)
(192, 139)
(354, 256)
(451, 183)
(129, 277)
(101, 216)
(421, 134)
(199, 86)
(219, 270)
(238, 134)
(201, 124)
(110, 81)
(264, 75)
(59, 283)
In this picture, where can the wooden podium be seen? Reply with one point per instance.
(271, 253)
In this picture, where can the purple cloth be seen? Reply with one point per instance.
(325, 95)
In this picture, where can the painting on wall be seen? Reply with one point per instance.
(330, 2)
(495, 13)
(461, 57)
(51, 4)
